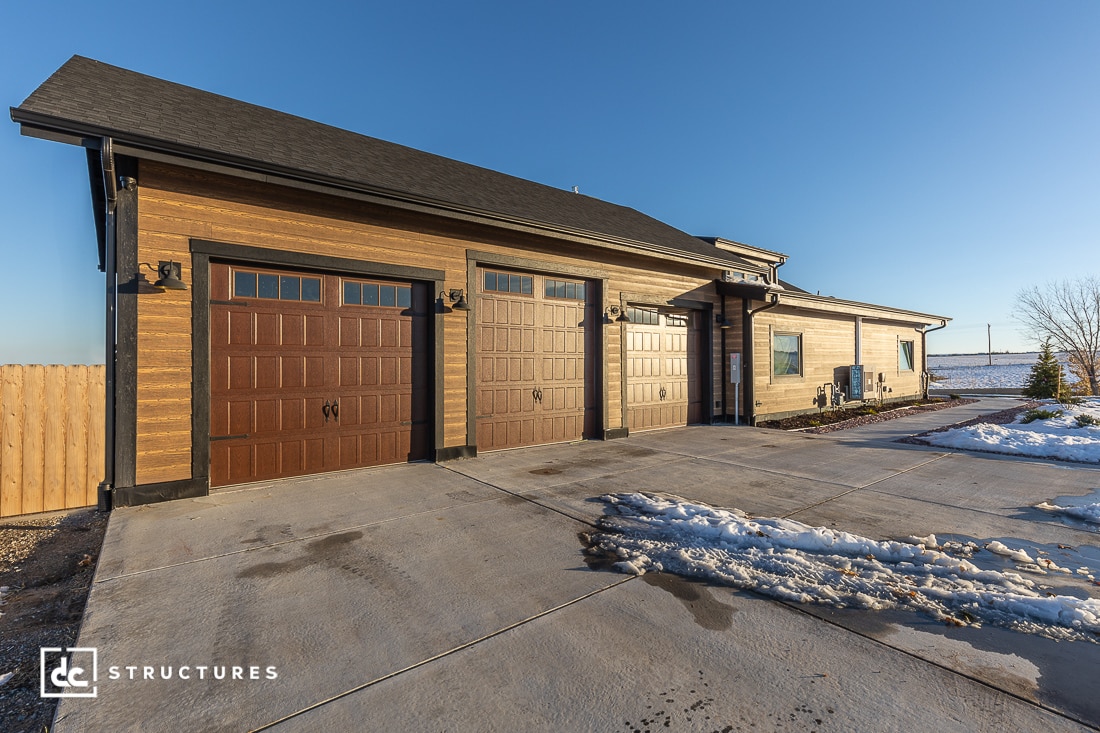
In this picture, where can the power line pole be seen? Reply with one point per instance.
(989, 342)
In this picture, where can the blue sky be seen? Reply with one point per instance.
(937, 156)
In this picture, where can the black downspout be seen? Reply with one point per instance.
(924, 353)
(110, 189)
(746, 344)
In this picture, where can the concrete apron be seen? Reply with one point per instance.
(456, 597)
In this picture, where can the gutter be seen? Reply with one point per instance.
(110, 193)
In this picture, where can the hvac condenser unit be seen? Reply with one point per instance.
(861, 382)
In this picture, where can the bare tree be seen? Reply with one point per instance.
(1067, 313)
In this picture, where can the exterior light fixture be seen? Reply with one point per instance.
(616, 314)
(168, 278)
(168, 272)
(456, 296)
(723, 322)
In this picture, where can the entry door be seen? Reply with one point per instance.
(314, 372)
(534, 380)
(663, 383)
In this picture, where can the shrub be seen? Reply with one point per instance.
(1086, 421)
(1039, 414)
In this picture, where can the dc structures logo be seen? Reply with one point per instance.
(68, 672)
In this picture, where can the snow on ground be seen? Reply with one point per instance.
(792, 561)
(973, 371)
(1075, 507)
(1059, 437)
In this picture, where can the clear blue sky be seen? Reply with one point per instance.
(937, 156)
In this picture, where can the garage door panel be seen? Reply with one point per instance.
(276, 362)
(663, 380)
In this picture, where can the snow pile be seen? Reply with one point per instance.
(1057, 437)
(795, 562)
(1086, 512)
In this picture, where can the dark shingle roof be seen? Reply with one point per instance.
(92, 98)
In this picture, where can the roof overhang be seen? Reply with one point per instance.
(59, 130)
(808, 301)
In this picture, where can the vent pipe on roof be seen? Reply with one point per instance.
(576, 189)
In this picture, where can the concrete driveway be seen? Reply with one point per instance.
(456, 597)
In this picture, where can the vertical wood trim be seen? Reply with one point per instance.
(473, 301)
(95, 402)
(200, 367)
(439, 369)
(126, 243)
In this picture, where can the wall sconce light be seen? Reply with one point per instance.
(722, 322)
(168, 278)
(614, 313)
(456, 296)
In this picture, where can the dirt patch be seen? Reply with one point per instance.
(46, 567)
(828, 421)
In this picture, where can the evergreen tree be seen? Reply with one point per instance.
(1046, 378)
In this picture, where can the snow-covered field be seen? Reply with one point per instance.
(796, 562)
(1067, 436)
(973, 371)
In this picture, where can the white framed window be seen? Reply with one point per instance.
(786, 354)
(905, 356)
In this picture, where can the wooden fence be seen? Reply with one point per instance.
(51, 437)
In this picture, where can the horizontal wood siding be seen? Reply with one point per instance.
(51, 437)
(880, 349)
(179, 204)
(828, 343)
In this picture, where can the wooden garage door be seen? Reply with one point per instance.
(315, 372)
(534, 382)
(663, 385)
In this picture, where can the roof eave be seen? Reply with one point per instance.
(38, 125)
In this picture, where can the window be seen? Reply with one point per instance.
(786, 354)
(644, 316)
(562, 289)
(905, 356)
(390, 296)
(677, 320)
(276, 287)
(501, 282)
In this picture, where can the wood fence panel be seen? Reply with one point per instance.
(34, 454)
(51, 437)
(54, 473)
(11, 442)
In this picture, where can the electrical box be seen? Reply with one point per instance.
(855, 382)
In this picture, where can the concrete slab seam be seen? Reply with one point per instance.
(442, 655)
(1032, 703)
(861, 488)
(526, 498)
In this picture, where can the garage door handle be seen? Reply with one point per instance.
(336, 409)
(326, 408)
(536, 394)
(663, 392)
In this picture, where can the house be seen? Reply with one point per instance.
(287, 298)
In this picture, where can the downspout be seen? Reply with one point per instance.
(748, 374)
(110, 190)
(924, 353)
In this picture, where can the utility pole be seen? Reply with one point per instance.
(989, 342)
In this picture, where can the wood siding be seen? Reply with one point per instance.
(51, 437)
(176, 205)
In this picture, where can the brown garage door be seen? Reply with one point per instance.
(534, 382)
(315, 372)
(663, 385)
